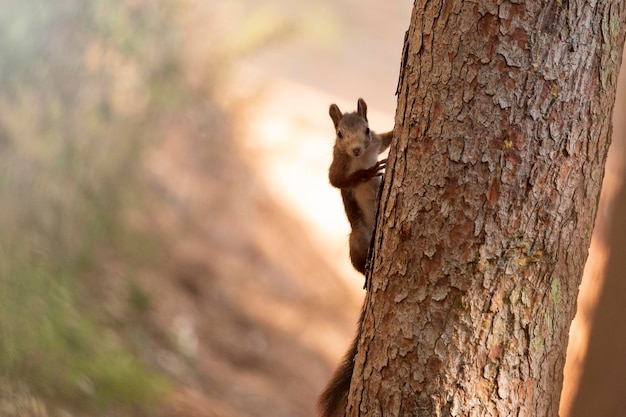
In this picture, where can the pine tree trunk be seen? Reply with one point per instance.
(502, 130)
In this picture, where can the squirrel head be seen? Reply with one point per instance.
(353, 132)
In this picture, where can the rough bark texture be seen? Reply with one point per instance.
(487, 209)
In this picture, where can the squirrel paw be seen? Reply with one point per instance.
(364, 175)
(376, 170)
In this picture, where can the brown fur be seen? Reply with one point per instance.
(355, 170)
(334, 399)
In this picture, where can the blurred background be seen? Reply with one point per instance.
(169, 242)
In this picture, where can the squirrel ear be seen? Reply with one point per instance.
(362, 108)
(335, 114)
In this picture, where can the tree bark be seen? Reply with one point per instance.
(487, 208)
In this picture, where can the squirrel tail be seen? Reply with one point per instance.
(334, 399)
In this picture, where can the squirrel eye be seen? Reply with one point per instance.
(339, 134)
(367, 130)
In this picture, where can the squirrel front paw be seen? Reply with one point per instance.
(380, 165)
(377, 169)
(364, 175)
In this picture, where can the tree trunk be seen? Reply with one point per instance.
(487, 208)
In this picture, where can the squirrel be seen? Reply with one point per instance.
(334, 399)
(356, 171)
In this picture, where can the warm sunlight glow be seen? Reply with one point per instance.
(581, 325)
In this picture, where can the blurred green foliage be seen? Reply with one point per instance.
(85, 88)
(81, 84)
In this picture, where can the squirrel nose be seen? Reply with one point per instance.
(356, 151)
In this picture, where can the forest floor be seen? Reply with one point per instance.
(252, 300)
